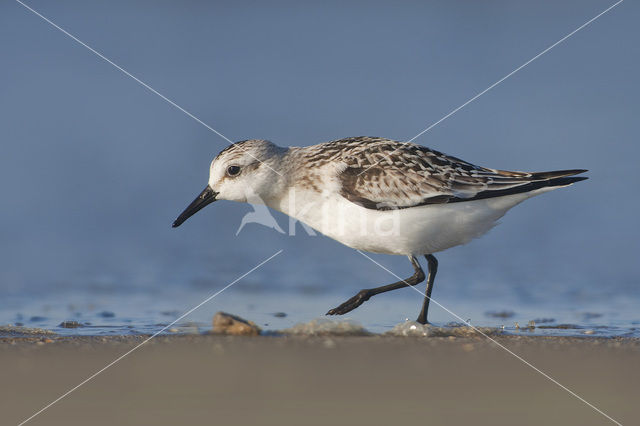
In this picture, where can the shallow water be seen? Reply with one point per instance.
(148, 313)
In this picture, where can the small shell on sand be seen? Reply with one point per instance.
(224, 323)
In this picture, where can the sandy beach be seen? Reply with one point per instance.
(367, 380)
(116, 115)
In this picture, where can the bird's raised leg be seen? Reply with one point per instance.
(364, 295)
(433, 269)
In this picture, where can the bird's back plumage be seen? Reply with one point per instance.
(383, 174)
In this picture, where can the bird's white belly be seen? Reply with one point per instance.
(416, 230)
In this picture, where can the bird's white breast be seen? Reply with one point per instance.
(416, 230)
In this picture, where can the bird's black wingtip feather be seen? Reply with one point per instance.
(564, 181)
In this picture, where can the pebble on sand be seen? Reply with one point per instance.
(224, 323)
(70, 324)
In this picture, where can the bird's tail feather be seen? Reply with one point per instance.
(558, 177)
(522, 182)
(558, 174)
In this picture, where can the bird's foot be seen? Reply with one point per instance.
(422, 319)
(351, 304)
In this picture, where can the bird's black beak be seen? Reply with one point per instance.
(205, 198)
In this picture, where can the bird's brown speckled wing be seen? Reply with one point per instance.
(383, 174)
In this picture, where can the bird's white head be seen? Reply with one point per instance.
(244, 171)
(245, 167)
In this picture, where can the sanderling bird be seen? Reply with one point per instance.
(376, 195)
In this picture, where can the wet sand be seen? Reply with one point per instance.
(357, 380)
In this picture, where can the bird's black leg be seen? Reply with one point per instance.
(433, 269)
(364, 295)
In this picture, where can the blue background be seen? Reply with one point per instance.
(94, 167)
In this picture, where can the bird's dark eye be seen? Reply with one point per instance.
(233, 170)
